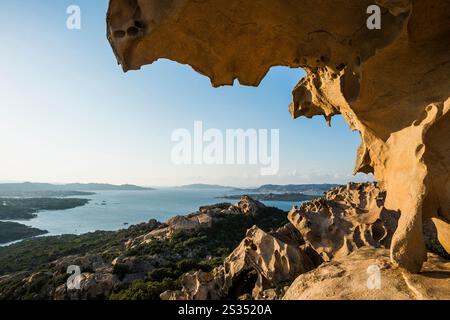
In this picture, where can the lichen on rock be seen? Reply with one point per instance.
(391, 85)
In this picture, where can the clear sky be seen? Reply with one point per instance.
(69, 114)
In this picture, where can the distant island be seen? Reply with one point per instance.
(203, 186)
(104, 187)
(315, 189)
(293, 188)
(21, 201)
(29, 189)
(26, 208)
(45, 194)
(290, 197)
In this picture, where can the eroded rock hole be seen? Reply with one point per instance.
(119, 34)
(132, 31)
(139, 24)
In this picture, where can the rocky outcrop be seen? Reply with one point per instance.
(333, 248)
(391, 84)
(149, 255)
(260, 262)
(96, 280)
(204, 217)
(345, 219)
(92, 286)
(368, 274)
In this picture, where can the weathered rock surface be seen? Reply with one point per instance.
(146, 263)
(391, 84)
(92, 286)
(356, 277)
(346, 218)
(204, 217)
(259, 263)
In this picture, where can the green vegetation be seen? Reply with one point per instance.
(209, 246)
(36, 254)
(11, 231)
(121, 270)
(142, 290)
(25, 208)
(203, 249)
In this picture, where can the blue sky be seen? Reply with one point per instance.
(68, 113)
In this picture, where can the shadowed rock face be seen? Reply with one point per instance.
(392, 84)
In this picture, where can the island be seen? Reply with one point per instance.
(44, 194)
(312, 188)
(31, 189)
(26, 208)
(203, 186)
(12, 231)
(288, 197)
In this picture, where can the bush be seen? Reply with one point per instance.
(141, 290)
(187, 265)
(121, 270)
(161, 274)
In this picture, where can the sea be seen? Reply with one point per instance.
(115, 210)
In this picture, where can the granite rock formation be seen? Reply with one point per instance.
(260, 262)
(391, 84)
(368, 274)
(345, 219)
(151, 253)
(204, 217)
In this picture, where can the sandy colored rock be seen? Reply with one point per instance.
(272, 260)
(247, 205)
(198, 285)
(391, 85)
(260, 262)
(443, 232)
(203, 218)
(345, 219)
(355, 277)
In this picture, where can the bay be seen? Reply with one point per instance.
(114, 210)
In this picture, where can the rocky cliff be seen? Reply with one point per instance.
(391, 84)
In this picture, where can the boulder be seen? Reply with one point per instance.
(260, 262)
(92, 286)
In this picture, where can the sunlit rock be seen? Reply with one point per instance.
(391, 84)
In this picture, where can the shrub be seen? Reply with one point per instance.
(121, 270)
